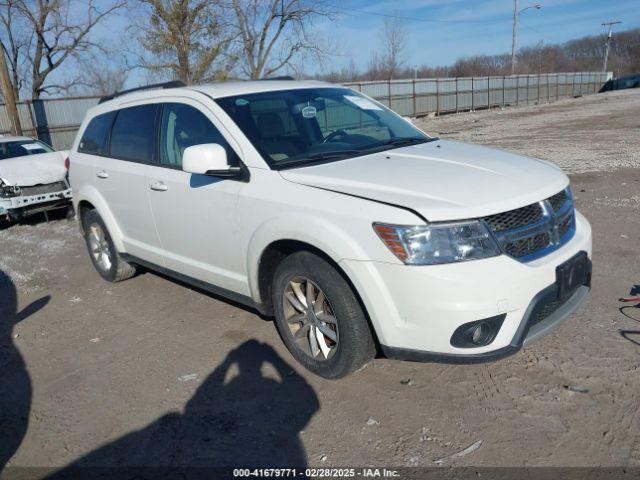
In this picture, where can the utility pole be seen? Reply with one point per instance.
(540, 46)
(513, 39)
(608, 44)
(9, 94)
(517, 12)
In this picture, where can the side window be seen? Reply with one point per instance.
(133, 136)
(95, 136)
(183, 126)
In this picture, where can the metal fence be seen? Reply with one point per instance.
(56, 121)
(414, 97)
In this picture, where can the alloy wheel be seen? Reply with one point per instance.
(310, 318)
(99, 247)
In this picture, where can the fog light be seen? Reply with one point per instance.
(477, 334)
(481, 333)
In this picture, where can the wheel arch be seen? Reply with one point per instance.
(88, 199)
(276, 252)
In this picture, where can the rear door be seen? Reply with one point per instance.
(196, 215)
(122, 178)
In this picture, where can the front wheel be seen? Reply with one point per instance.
(319, 317)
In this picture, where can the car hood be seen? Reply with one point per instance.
(32, 170)
(441, 180)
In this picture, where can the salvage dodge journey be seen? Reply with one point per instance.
(319, 206)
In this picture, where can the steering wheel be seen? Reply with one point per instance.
(336, 133)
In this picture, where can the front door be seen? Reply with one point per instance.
(196, 215)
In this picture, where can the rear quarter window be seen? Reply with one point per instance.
(95, 137)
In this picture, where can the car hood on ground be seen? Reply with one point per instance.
(441, 180)
(32, 170)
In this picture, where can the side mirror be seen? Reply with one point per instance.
(208, 159)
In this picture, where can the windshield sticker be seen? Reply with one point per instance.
(363, 103)
(309, 111)
(31, 146)
(241, 102)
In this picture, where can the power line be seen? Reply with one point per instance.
(354, 11)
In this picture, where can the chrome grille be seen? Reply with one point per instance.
(519, 248)
(535, 230)
(557, 200)
(515, 218)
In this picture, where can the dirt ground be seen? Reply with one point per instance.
(151, 372)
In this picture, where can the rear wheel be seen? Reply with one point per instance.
(319, 317)
(106, 259)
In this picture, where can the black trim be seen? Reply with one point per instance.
(463, 335)
(230, 173)
(163, 85)
(223, 292)
(530, 328)
(410, 355)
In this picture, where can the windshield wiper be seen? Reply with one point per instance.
(312, 158)
(400, 142)
(332, 154)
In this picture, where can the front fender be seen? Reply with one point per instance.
(90, 193)
(315, 231)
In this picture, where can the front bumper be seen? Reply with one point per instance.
(416, 309)
(28, 202)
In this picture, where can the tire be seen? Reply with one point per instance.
(99, 244)
(71, 213)
(347, 335)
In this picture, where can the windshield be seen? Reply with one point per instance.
(304, 126)
(20, 148)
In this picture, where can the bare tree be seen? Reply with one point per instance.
(58, 36)
(99, 76)
(273, 34)
(394, 45)
(16, 40)
(187, 39)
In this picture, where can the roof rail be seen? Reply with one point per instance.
(171, 84)
(282, 77)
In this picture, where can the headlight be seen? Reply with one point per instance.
(439, 242)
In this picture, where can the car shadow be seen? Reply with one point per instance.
(238, 417)
(15, 383)
(632, 312)
(37, 218)
(142, 270)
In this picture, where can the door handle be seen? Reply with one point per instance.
(102, 174)
(159, 186)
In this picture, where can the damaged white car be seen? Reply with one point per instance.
(33, 178)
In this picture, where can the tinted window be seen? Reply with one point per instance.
(21, 148)
(133, 136)
(183, 126)
(94, 139)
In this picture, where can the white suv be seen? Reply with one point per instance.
(318, 205)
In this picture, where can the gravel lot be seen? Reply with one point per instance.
(587, 134)
(151, 372)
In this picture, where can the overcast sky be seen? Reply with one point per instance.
(440, 31)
